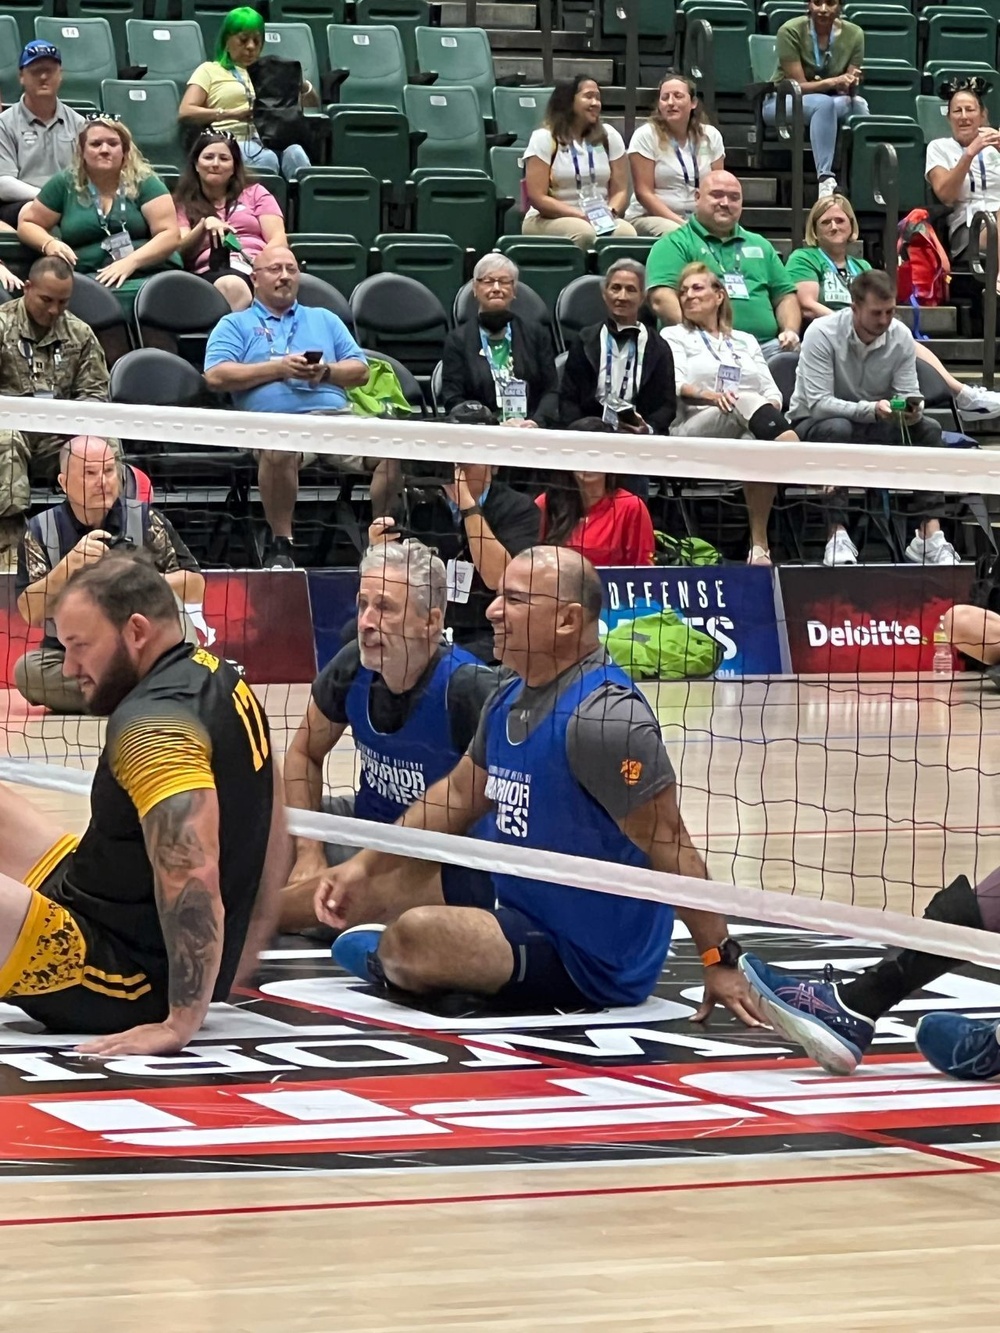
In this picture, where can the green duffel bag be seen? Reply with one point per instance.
(661, 646)
(686, 551)
(382, 395)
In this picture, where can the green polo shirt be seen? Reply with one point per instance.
(743, 252)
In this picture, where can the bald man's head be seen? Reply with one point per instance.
(90, 476)
(276, 277)
(719, 202)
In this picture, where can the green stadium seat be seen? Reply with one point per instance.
(378, 141)
(519, 111)
(507, 170)
(956, 35)
(609, 249)
(88, 54)
(777, 14)
(459, 57)
(318, 14)
(732, 25)
(462, 205)
(435, 260)
(863, 136)
(546, 264)
(932, 117)
(168, 174)
(375, 62)
(275, 183)
(450, 121)
(24, 13)
(763, 56)
(890, 32)
(208, 14)
(347, 201)
(168, 50)
(937, 72)
(656, 18)
(890, 87)
(10, 50)
(293, 41)
(406, 16)
(149, 108)
(342, 261)
(117, 13)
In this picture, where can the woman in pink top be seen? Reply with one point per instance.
(214, 200)
(591, 513)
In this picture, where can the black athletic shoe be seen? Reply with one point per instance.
(281, 554)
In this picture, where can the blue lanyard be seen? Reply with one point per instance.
(851, 272)
(822, 58)
(102, 217)
(683, 166)
(982, 173)
(266, 331)
(500, 376)
(737, 254)
(729, 343)
(629, 363)
(576, 165)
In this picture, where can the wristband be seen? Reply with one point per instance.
(472, 509)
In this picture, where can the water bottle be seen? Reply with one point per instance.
(944, 662)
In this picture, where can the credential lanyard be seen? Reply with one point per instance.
(630, 361)
(105, 218)
(266, 330)
(576, 165)
(853, 268)
(822, 58)
(683, 166)
(729, 344)
(980, 158)
(500, 376)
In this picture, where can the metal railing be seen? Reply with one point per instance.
(983, 258)
(885, 191)
(628, 12)
(545, 40)
(699, 62)
(789, 124)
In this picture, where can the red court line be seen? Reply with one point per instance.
(514, 1196)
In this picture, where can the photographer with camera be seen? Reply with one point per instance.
(476, 524)
(97, 516)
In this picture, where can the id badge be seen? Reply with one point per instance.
(610, 416)
(42, 393)
(118, 245)
(736, 286)
(514, 400)
(598, 214)
(459, 580)
(727, 379)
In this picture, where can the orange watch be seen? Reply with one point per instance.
(724, 955)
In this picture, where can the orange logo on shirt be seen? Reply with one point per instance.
(631, 771)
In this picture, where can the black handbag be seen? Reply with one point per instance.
(277, 114)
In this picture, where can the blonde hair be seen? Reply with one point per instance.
(822, 206)
(135, 168)
(725, 306)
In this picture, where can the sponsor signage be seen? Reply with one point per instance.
(878, 618)
(733, 604)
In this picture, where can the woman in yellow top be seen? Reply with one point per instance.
(220, 95)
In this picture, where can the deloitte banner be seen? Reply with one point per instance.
(734, 604)
(868, 618)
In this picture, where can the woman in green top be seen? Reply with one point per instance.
(116, 219)
(823, 53)
(823, 271)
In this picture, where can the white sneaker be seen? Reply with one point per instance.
(759, 555)
(827, 186)
(840, 550)
(974, 399)
(935, 550)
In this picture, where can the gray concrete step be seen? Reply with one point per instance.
(940, 321)
(563, 67)
(489, 14)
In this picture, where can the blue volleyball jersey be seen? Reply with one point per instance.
(612, 947)
(397, 767)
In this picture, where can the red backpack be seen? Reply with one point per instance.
(923, 268)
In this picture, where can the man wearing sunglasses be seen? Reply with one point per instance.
(37, 133)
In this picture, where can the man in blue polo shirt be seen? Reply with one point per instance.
(280, 356)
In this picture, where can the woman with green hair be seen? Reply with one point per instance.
(220, 95)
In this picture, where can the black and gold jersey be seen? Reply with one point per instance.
(191, 723)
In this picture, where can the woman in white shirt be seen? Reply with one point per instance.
(575, 169)
(964, 171)
(724, 387)
(669, 155)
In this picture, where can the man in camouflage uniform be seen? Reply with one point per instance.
(45, 352)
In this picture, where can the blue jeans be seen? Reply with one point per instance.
(822, 113)
(293, 158)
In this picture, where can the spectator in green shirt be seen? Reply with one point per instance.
(823, 53)
(762, 295)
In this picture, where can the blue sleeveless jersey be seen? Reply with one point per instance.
(398, 767)
(612, 947)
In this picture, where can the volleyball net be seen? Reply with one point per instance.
(836, 765)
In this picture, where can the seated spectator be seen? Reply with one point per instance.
(115, 217)
(476, 523)
(45, 352)
(37, 133)
(412, 703)
(852, 365)
(264, 357)
(974, 631)
(95, 517)
(575, 170)
(724, 387)
(590, 513)
(498, 359)
(762, 296)
(668, 156)
(220, 94)
(823, 271)
(824, 54)
(224, 221)
(619, 370)
(964, 170)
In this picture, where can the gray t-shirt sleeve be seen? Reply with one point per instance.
(615, 751)
(477, 750)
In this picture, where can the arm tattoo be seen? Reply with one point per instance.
(174, 842)
(191, 934)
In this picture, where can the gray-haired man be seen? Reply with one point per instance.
(412, 703)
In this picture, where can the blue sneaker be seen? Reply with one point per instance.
(811, 1014)
(356, 950)
(961, 1047)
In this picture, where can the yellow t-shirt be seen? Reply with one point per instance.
(225, 90)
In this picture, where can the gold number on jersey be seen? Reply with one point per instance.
(251, 717)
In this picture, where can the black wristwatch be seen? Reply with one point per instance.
(472, 509)
(724, 955)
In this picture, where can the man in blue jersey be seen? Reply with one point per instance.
(412, 704)
(567, 758)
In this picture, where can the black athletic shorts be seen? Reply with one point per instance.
(539, 980)
(68, 973)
